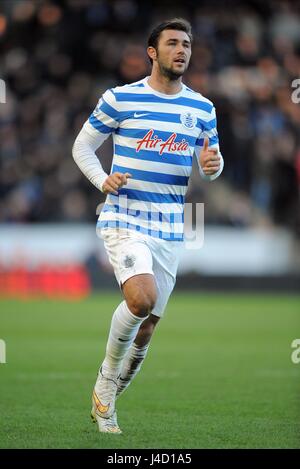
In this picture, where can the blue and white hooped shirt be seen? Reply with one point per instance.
(154, 139)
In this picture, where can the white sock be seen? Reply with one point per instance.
(123, 330)
(131, 365)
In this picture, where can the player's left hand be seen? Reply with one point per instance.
(209, 159)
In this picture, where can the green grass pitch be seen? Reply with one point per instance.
(219, 374)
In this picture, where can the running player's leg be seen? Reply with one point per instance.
(132, 259)
(137, 353)
(140, 296)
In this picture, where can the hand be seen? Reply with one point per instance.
(209, 160)
(114, 182)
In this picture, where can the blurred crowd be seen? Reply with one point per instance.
(57, 57)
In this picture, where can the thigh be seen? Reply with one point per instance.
(129, 255)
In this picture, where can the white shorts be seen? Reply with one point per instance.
(132, 253)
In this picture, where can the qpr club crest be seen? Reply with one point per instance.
(189, 120)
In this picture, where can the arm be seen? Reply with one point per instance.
(85, 157)
(207, 150)
(100, 125)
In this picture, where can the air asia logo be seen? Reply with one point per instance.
(154, 143)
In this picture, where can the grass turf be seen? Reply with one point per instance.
(218, 375)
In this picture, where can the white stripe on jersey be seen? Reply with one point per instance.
(155, 187)
(151, 166)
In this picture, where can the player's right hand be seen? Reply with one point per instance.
(114, 182)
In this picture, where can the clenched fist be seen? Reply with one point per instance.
(209, 160)
(114, 182)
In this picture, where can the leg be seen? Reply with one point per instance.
(140, 297)
(132, 260)
(137, 353)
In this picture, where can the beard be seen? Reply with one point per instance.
(170, 73)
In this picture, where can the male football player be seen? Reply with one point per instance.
(157, 124)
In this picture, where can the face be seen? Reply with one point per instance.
(173, 53)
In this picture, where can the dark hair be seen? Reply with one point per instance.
(179, 24)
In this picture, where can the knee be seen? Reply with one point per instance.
(141, 304)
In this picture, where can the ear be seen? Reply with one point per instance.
(151, 51)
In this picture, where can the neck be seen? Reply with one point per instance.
(163, 84)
